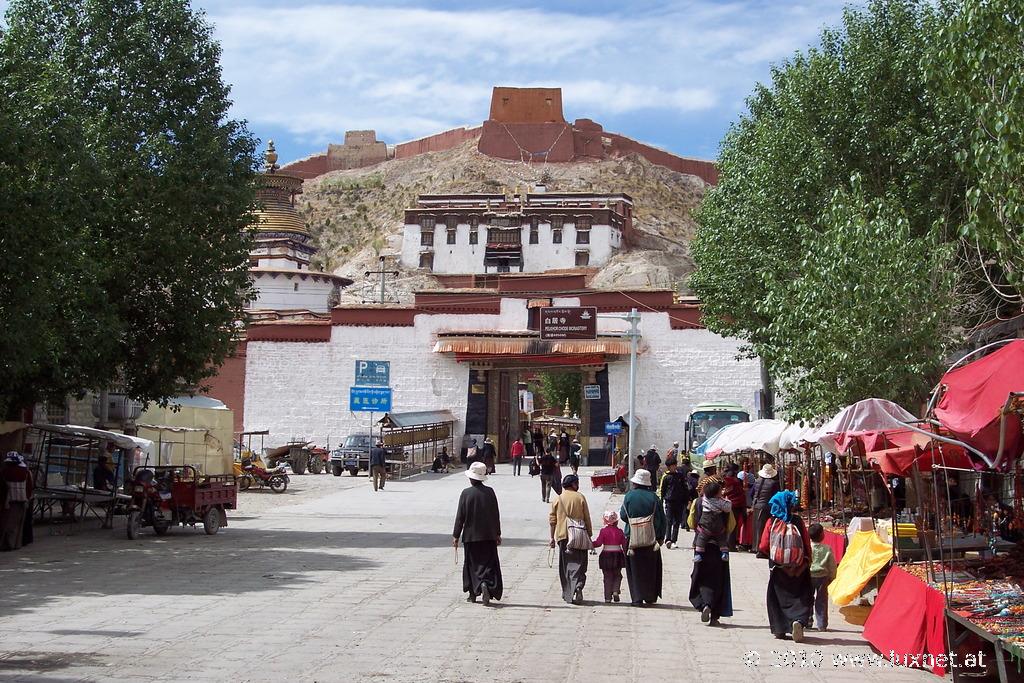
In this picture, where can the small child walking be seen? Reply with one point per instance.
(712, 522)
(823, 570)
(612, 542)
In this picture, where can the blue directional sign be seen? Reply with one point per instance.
(612, 428)
(373, 373)
(369, 399)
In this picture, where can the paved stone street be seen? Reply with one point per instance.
(331, 582)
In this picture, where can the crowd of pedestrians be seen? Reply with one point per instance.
(660, 501)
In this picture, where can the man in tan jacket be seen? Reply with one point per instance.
(572, 564)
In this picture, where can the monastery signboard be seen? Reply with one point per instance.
(579, 322)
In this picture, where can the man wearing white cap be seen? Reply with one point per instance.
(478, 523)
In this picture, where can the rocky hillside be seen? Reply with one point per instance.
(356, 215)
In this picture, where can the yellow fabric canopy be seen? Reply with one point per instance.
(865, 557)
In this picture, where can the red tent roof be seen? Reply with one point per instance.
(974, 396)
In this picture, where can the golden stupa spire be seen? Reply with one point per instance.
(270, 158)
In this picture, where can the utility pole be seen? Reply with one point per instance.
(383, 280)
(633, 318)
(634, 339)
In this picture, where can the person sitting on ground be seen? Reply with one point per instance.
(713, 523)
(612, 542)
(446, 460)
(823, 570)
(103, 477)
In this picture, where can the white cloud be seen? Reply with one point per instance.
(316, 68)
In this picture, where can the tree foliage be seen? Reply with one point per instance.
(834, 243)
(127, 203)
(978, 64)
(556, 387)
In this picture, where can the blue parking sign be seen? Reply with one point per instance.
(369, 399)
(373, 373)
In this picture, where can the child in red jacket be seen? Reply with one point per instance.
(612, 542)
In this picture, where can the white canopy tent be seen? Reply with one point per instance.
(759, 435)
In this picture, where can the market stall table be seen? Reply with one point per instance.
(908, 619)
(960, 627)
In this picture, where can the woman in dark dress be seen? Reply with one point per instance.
(643, 565)
(710, 581)
(765, 486)
(790, 598)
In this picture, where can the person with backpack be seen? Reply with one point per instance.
(712, 523)
(645, 530)
(571, 531)
(675, 492)
(785, 541)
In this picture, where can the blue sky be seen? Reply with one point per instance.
(673, 74)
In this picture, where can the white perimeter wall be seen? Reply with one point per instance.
(678, 369)
(300, 390)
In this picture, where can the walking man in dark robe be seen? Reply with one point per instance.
(478, 524)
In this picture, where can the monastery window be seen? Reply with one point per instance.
(582, 258)
(474, 222)
(582, 236)
(474, 235)
(451, 235)
(427, 260)
(534, 235)
(584, 222)
(451, 222)
(427, 222)
(427, 238)
(556, 235)
(557, 222)
(534, 222)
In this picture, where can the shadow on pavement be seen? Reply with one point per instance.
(188, 562)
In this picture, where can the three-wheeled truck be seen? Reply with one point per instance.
(165, 496)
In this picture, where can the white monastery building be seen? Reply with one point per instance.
(525, 233)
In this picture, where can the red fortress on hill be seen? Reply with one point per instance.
(525, 124)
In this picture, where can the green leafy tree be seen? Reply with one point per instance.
(856, 327)
(138, 272)
(978, 64)
(556, 387)
(857, 146)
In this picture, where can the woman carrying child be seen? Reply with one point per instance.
(710, 582)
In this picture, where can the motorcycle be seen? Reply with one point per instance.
(276, 477)
(150, 504)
